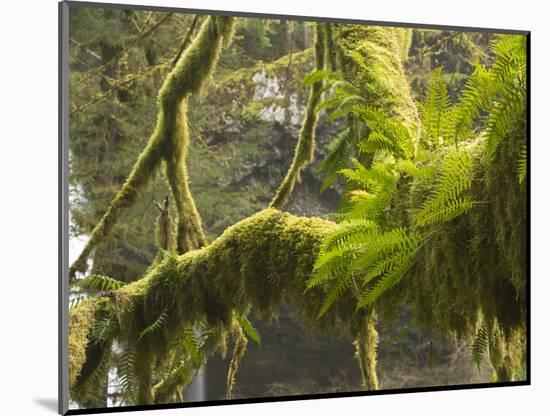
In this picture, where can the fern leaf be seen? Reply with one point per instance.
(126, 373)
(337, 158)
(248, 329)
(522, 164)
(479, 345)
(394, 269)
(104, 329)
(155, 326)
(99, 282)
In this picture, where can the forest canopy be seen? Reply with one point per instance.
(223, 169)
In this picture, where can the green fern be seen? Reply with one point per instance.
(155, 326)
(480, 345)
(192, 345)
(97, 282)
(434, 111)
(127, 375)
(385, 134)
(447, 202)
(248, 329)
(379, 183)
(337, 157)
(522, 164)
(104, 329)
(360, 252)
(393, 269)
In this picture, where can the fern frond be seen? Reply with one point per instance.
(127, 374)
(329, 265)
(320, 75)
(425, 172)
(344, 231)
(480, 345)
(155, 326)
(522, 164)
(192, 345)
(392, 270)
(387, 133)
(104, 329)
(446, 202)
(248, 329)
(99, 282)
(335, 293)
(433, 110)
(337, 158)
(444, 212)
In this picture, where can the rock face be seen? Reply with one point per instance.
(250, 121)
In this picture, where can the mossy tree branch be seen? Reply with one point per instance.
(169, 142)
(258, 263)
(303, 154)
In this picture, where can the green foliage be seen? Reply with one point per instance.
(446, 202)
(379, 183)
(426, 222)
(480, 345)
(369, 86)
(423, 191)
(126, 374)
(303, 154)
(522, 164)
(434, 111)
(99, 283)
(336, 158)
(169, 142)
(155, 326)
(361, 256)
(248, 329)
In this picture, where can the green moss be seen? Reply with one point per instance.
(303, 154)
(164, 230)
(81, 323)
(371, 57)
(91, 333)
(258, 263)
(169, 141)
(240, 342)
(366, 340)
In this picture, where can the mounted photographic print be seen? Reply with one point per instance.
(260, 208)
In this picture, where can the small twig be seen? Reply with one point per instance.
(186, 40)
(144, 33)
(203, 143)
(118, 85)
(439, 43)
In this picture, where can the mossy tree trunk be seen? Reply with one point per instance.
(169, 142)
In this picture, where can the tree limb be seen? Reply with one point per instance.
(169, 141)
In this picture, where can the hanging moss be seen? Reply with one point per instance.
(164, 234)
(506, 353)
(366, 340)
(256, 264)
(169, 141)
(303, 154)
(241, 341)
(88, 377)
(82, 320)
